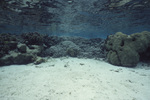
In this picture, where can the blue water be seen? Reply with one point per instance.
(93, 24)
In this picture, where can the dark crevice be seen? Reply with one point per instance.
(133, 39)
(122, 43)
(145, 56)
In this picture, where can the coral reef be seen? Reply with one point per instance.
(61, 49)
(33, 38)
(7, 42)
(20, 49)
(127, 50)
(72, 52)
(77, 47)
(29, 47)
(121, 49)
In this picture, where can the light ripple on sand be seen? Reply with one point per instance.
(74, 79)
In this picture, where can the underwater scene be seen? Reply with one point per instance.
(74, 49)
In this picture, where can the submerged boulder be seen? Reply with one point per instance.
(127, 50)
(22, 48)
(17, 58)
(62, 49)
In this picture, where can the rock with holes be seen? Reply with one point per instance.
(127, 50)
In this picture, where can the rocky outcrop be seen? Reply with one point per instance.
(17, 58)
(21, 55)
(127, 50)
(64, 48)
(20, 50)
(33, 38)
(76, 47)
(29, 47)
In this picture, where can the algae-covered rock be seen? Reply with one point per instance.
(128, 57)
(115, 42)
(140, 41)
(17, 58)
(113, 58)
(126, 50)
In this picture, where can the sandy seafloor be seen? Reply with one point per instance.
(74, 79)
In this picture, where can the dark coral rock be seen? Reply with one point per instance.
(7, 42)
(33, 38)
(23, 59)
(145, 56)
(17, 59)
(1, 54)
(12, 45)
(40, 39)
(7, 37)
(127, 50)
(22, 48)
(52, 40)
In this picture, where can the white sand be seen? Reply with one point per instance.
(74, 79)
